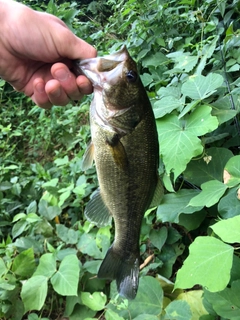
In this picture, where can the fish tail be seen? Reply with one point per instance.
(125, 270)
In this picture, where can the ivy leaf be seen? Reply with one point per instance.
(65, 280)
(199, 87)
(34, 292)
(228, 230)
(210, 194)
(209, 264)
(179, 140)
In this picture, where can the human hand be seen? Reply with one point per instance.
(36, 53)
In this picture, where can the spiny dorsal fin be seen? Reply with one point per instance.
(96, 211)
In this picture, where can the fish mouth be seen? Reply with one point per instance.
(102, 70)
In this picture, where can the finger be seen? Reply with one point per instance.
(55, 93)
(85, 86)
(39, 95)
(67, 80)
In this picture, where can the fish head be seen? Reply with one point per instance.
(115, 76)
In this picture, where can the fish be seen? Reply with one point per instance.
(124, 145)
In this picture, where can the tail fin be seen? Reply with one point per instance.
(125, 270)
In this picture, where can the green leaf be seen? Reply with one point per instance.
(111, 315)
(195, 301)
(3, 268)
(209, 264)
(199, 87)
(173, 204)
(24, 263)
(49, 212)
(210, 194)
(226, 303)
(18, 228)
(229, 205)
(87, 244)
(165, 105)
(232, 172)
(178, 310)
(95, 301)
(228, 230)
(158, 237)
(34, 292)
(67, 235)
(222, 109)
(179, 140)
(185, 62)
(65, 280)
(210, 167)
(47, 265)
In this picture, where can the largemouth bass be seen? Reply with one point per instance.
(126, 153)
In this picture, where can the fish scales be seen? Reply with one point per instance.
(126, 154)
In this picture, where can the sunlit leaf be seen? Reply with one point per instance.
(24, 263)
(34, 292)
(200, 87)
(211, 192)
(209, 264)
(47, 265)
(228, 230)
(65, 280)
(95, 301)
(178, 310)
(233, 169)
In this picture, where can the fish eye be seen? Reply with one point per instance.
(131, 76)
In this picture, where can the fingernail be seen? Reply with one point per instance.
(40, 87)
(56, 93)
(61, 74)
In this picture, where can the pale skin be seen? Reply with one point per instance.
(36, 54)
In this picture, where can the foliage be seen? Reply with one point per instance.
(188, 56)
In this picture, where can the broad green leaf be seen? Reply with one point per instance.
(192, 221)
(81, 312)
(18, 228)
(34, 292)
(87, 244)
(67, 235)
(229, 205)
(195, 300)
(232, 171)
(65, 280)
(158, 237)
(199, 87)
(222, 109)
(5, 285)
(47, 265)
(211, 192)
(185, 62)
(165, 105)
(206, 53)
(173, 204)
(209, 264)
(179, 140)
(178, 310)
(209, 167)
(146, 316)
(148, 299)
(24, 263)
(111, 315)
(49, 212)
(61, 161)
(226, 303)
(228, 230)
(95, 301)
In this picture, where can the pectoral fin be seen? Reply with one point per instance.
(96, 211)
(88, 157)
(118, 152)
